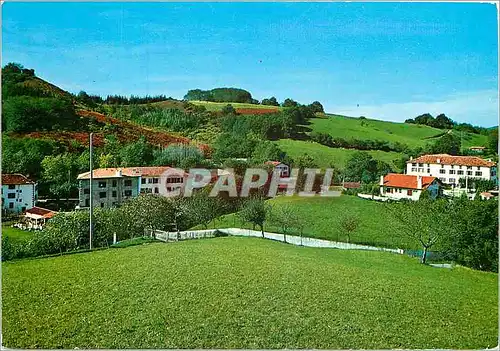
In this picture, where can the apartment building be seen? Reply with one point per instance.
(450, 169)
(112, 186)
(19, 193)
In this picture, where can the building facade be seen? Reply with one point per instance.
(403, 186)
(283, 168)
(112, 186)
(18, 193)
(450, 169)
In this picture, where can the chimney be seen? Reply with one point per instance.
(438, 160)
(411, 158)
(118, 172)
(419, 182)
(381, 180)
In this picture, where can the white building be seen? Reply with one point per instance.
(403, 186)
(111, 186)
(449, 169)
(18, 193)
(284, 168)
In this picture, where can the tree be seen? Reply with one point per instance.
(493, 140)
(255, 210)
(228, 110)
(136, 154)
(267, 151)
(447, 144)
(349, 224)
(289, 103)
(270, 102)
(425, 221)
(283, 216)
(60, 172)
(316, 107)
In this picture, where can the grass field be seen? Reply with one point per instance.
(369, 129)
(15, 233)
(218, 106)
(326, 156)
(244, 293)
(323, 215)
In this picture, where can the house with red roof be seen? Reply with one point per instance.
(19, 193)
(405, 186)
(450, 169)
(36, 217)
(284, 168)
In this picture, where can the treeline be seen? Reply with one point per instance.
(134, 100)
(31, 107)
(359, 144)
(220, 95)
(441, 121)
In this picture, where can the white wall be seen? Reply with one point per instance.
(399, 194)
(434, 170)
(25, 196)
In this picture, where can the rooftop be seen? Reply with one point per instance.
(43, 212)
(15, 178)
(406, 181)
(446, 159)
(128, 172)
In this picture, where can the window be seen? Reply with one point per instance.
(156, 190)
(114, 193)
(12, 186)
(428, 170)
(460, 172)
(442, 179)
(442, 171)
(478, 168)
(400, 191)
(459, 167)
(469, 173)
(420, 164)
(128, 182)
(114, 183)
(20, 191)
(469, 167)
(86, 191)
(102, 204)
(413, 169)
(150, 181)
(414, 165)
(11, 205)
(409, 192)
(102, 194)
(155, 180)
(11, 195)
(128, 192)
(479, 174)
(102, 184)
(87, 202)
(421, 170)
(451, 180)
(452, 171)
(452, 166)
(143, 181)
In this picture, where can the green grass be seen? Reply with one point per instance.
(134, 241)
(218, 106)
(369, 129)
(15, 234)
(326, 156)
(244, 293)
(323, 215)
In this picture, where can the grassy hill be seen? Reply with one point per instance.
(244, 293)
(323, 215)
(218, 106)
(326, 156)
(370, 129)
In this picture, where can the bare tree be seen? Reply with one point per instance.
(425, 221)
(349, 225)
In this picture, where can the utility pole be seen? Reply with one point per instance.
(90, 188)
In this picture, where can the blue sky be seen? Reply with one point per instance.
(394, 60)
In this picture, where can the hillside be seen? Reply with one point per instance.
(326, 156)
(239, 107)
(245, 293)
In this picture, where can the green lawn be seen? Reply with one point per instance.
(245, 293)
(369, 129)
(323, 215)
(218, 106)
(326, 156)
(15, 233)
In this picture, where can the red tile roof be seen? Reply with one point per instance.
(127, 172)
(15, 178)
(274, 163)
(39, 211)
(406, 181)
(446, 159)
